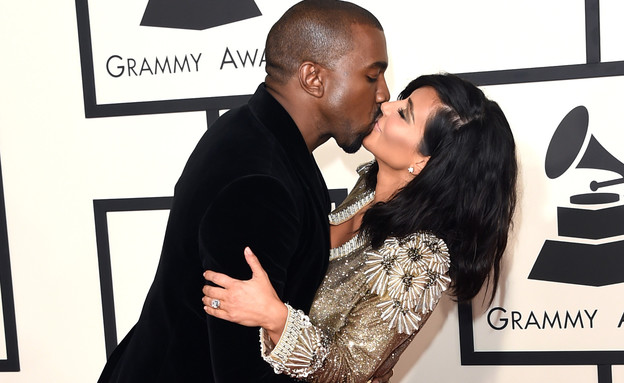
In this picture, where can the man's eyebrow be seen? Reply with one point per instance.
(410, 109)
(383, 65)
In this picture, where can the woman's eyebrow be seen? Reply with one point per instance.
(410, 109)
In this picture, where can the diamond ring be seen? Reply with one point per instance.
(215, 304)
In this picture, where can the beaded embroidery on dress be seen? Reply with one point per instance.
(409, 275)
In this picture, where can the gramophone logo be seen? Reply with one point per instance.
(595, 215)
(198, 15)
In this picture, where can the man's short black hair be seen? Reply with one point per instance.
(313, 30)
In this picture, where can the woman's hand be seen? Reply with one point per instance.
(251, 303)
(384, 378)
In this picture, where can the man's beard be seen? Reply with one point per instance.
(355, 145)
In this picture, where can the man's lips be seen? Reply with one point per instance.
(376, 121)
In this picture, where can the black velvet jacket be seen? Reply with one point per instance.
(251, 181)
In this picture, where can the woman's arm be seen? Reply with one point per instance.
(362, 348)
(252, 303)
(405, 279)
(378, 328)
(255, 303)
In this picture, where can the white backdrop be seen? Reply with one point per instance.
(65, 144)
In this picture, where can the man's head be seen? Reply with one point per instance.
(335, 53)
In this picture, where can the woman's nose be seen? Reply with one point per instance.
(385, 107)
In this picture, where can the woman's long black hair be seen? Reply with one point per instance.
(466, 194)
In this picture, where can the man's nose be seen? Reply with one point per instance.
(383, 94)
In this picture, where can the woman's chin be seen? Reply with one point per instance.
(366, 144)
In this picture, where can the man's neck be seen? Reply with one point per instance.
(301, 110)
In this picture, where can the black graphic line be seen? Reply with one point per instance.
(101, 208)
(592, 31)
(11, 363)
(593, 67)
(543, 74)
(211, 117)
(165, 106)
(605, 374)
(86, 56)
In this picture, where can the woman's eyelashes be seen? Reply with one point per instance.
(401, 112)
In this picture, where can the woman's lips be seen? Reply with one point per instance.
(377, 127)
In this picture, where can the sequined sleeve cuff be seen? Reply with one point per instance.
(301, 349)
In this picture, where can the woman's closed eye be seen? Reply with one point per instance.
(401, 112)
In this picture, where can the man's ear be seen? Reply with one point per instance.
(311, 78)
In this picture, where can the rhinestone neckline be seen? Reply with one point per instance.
(339, 216)
(348, 247)
(346, 213)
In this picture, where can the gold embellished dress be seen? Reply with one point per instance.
(368, 308)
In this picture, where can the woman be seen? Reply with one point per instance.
(430, 213)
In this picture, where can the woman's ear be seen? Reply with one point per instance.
(419, 164)
(311, 78)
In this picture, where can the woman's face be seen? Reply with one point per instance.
(396, 137)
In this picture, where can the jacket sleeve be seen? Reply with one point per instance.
(259, 212)
(405, 280)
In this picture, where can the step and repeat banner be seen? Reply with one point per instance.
(103, 101)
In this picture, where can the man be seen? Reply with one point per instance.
(252, 181)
